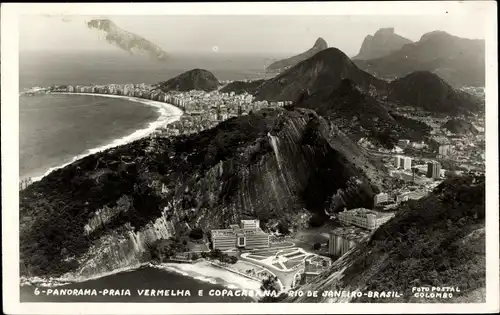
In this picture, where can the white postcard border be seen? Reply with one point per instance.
(10, 148)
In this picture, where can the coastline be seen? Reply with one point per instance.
(168, 114)
(206, 271)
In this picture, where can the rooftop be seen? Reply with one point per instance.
(363, 212)
(351, 233)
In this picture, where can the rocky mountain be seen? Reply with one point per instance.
(382, 43)
(101, 212)
(428, 91)
(196, 79)
(459, 61)
(460, 126)
(436, 241)
(362, 114)
(324, 70)
(126, 40)
(281, 65)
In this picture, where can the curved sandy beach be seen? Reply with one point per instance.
(168, 114)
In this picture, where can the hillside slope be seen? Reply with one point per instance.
(459, 61)
(324, 70)
(99, 213)
(436, 241)
(281, 65)
(360, 114)
(460, 126)
(196, 79)
(428, 91)
(382, 43)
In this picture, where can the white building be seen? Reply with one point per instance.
(397, 161)
(380, 198)
(365, 218)
(406, 162)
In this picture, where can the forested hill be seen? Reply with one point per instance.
(436, 241)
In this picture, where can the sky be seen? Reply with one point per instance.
(275, 35)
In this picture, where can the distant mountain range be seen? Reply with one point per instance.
(284, 64)
(459, 61)
(382, 43)
(323, 70)
(196, 79)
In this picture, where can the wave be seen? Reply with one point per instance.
(168, 114)
(75, 278)
(206, 272)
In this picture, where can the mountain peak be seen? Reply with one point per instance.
(320, 44)
(382, 43)
(385, 31)
(284, 64)
(435, 35)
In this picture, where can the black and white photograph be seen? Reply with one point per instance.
(250, 158)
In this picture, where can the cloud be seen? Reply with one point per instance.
(127, 41)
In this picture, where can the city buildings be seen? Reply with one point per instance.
(444, 150)
(403, 162)
(433, 169)
(365, 218)
(342, 239)
(380, 198)
(403, 142)
(406, 162)
(397, 161)
(247, 235)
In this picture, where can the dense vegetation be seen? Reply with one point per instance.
(241, 87)
(196, 79)
(126, 184)
(427, 243)
(359, 114)
(435, 241)
(426, 90)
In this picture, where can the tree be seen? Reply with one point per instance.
(283, 228)
(196, 233)
(271, 284)
(317, 246)
(316, 221)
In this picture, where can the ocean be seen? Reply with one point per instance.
(136, 281)
(56, 129)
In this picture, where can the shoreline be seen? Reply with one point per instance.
(70, 278)
(204, 271)
(168, 114)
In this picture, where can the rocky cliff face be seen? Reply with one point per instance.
(459, 61)
(437, 241)
(271, 165)
(281, 65)
(196, 79)
(382, 43)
